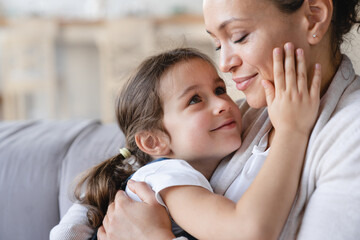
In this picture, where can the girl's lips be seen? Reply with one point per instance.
(243, 83)
(226, 125)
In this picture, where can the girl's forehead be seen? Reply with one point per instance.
(186, 72)
(188, 67)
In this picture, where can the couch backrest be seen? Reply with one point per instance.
(38, 162)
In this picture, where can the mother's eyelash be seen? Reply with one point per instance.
(241, 39)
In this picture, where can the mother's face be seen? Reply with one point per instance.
(245, 33)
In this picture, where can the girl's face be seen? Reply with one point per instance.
(202, 121)
(245, 33)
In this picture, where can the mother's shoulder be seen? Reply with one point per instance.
(352, 92)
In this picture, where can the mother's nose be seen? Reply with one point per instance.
(229, 59)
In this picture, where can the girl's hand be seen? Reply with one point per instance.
(292, 106)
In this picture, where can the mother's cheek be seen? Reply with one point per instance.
(255, 96)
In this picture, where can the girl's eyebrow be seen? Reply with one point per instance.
(188, 89)
(192, 87)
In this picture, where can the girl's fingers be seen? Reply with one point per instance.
(316, 82)
(269, 91)
(279, 78)
(290, 72)
(301, 72)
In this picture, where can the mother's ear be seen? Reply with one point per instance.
(153, 143)
(319, 14)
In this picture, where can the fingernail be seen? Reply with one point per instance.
(264, 83)
(317, 66)
(277, 51)
(288, 46)
(130, 182)
(299, 52)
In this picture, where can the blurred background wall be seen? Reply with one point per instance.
(67, 59)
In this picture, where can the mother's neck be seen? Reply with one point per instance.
(329, 61)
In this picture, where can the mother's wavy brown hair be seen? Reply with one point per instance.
(138, 108)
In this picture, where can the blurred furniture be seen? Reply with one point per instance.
(182, 31)
(122, 44)
(39, 161)
(93, 60)
(28, 76)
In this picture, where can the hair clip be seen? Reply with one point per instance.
(125, 152)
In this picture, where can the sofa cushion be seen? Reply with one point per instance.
(95, 144)
(38, 160)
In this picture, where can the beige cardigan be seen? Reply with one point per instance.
(328, 201)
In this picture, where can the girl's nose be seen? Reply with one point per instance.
(229, 59)
(220, 106)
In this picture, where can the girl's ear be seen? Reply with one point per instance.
(319, 15)
(153, 143)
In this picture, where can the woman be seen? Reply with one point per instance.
(245, 32)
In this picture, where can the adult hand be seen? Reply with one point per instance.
(128, 219)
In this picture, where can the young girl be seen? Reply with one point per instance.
(176, 107)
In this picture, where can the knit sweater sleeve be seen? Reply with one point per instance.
(74, 225)
(332, 207)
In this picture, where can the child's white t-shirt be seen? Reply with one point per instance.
(168, 173)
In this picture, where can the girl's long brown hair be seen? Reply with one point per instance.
(138, 108)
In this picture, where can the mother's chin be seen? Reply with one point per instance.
(256, 97)
(255, 103)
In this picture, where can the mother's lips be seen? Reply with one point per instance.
(241, 79)
(242, 83)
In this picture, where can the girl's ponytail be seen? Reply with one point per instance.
(96, 189)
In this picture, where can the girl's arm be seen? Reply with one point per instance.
(263, 209)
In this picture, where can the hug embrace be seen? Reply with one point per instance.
(283, 163)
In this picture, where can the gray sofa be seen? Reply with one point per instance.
(38, 162)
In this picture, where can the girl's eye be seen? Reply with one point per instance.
(220, 90)
(195, 99)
